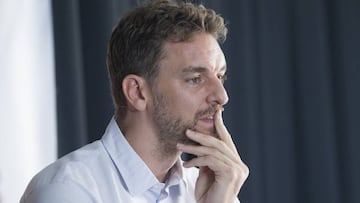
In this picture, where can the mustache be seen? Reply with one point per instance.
(211, 110)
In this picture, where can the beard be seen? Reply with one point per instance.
(172, 128)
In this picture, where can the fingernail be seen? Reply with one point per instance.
(179, 145)
(220, 108)
(189, 132)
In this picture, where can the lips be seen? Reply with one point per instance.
(205, 124)
(209, 119)
(205, 119)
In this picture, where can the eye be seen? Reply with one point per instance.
(194, 80)
(222, 77)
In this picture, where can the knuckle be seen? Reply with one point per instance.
(221, 144)
(241, 173)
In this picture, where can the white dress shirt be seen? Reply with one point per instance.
(109, 171)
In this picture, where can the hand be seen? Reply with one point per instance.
(222, 172)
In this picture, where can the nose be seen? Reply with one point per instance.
(217, 93)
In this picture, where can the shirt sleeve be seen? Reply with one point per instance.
(57, 193)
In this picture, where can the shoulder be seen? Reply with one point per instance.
(71, 174)
(57, 192)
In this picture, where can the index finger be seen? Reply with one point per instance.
(222, 132)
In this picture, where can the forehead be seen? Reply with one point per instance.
(202, 50)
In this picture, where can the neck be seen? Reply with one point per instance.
(157, 156)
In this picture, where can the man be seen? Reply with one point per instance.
(167, 72)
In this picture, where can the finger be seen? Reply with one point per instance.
(214, 163)
(219, 164)
(203, 151)
(221, 167)
(222, 131)
(212, 144)
(205, 140)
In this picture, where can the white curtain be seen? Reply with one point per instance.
(27, 94)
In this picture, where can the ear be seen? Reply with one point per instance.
(135, 91)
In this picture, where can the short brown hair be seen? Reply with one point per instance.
(136, 43)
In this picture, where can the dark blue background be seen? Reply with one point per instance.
(294, 78)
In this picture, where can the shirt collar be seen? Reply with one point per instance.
(137, 176)
(176, 174)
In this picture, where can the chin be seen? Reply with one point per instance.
(210, 132)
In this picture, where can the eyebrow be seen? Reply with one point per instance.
(199, 69)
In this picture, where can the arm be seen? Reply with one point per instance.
(222, 172)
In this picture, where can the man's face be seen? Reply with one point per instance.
(189, 88)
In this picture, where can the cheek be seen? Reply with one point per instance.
(185, 103)
(186, 107)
